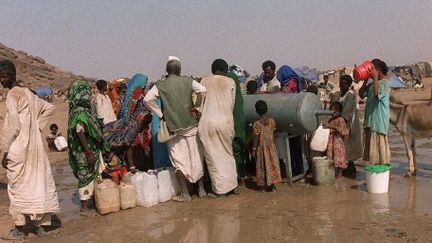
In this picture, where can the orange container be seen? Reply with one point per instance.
(362, 71)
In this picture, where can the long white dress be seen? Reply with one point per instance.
(216, 132)
(31, 186)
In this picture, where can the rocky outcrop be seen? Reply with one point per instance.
(34, 71)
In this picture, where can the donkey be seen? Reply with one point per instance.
(411, 121)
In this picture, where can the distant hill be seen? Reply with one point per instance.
(34, 71)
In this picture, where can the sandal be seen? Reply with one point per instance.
(87, 213)
(215, 196)
(180, 199)
(202, 194)
(14, 234)
(236, 191)
(241, 181)
(40, 231)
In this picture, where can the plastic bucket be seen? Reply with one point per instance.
(60, 143)
(323, 171)
(377, 178)
(362, 71)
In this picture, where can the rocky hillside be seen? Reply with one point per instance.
(34, 71)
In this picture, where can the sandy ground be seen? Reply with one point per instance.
(344, 212)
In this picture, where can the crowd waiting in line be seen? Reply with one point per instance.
(193, 126)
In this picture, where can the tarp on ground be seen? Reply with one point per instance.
(396, 82)
(308, 73)
(43, 91)
(240, 72)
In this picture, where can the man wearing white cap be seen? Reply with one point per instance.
(181, 117)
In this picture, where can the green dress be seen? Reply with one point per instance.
(81, 111)
(239, 127)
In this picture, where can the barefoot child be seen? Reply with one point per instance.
(54, 133)
(338, 132)
(264, 150)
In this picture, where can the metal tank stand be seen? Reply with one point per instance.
(287, 159)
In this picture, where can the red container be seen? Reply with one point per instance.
(362, 71)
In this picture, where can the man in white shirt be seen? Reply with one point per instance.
(104, 106)
(268, 82)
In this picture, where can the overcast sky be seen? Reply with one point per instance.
(110, 39)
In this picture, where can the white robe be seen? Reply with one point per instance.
(216, 132)
(185, 155)
(183, 150)
(31, 186)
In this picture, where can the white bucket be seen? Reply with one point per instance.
(60, 143)
(377, 182)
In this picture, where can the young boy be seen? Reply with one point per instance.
(104, 107)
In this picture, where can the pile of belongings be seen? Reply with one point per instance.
(239, 72)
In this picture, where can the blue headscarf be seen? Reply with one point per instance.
(138, 81)
(285, 73)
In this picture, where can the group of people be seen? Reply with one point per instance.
(136, 124)
(347, 141)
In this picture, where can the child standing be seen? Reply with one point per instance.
(264, 150)
(338, 132)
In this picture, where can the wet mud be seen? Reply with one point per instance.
(343, 212)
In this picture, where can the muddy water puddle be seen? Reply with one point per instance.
(343, 212)
(301, 213)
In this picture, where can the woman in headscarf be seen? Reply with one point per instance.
(159, 150)
(288, 79)
(115, 93)
(85, 140)
(131, 130)
(138, 81)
